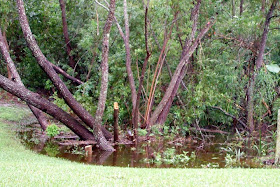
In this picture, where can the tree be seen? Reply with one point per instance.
(259, 62)
(161, 111)
(14, 76)
(48, 68)
(66, 35)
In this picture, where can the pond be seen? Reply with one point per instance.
(159, 153)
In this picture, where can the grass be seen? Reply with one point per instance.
(13, 113)
(21, 167)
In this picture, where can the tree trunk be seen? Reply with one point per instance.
(277, 149)
(259, 62)
(14, 76)
(162, 110)
(66, 75)
(250, 102)
(104, 66)
(63, 90)
(72, 63)
(157, 71)
(183, 62)
(128, 57)
(233, 7)
(148, 54)
(43, 104)
(241, 7)
(164, 113)
(116, 122)
(7, 46)
(263, 6)
(125, 37)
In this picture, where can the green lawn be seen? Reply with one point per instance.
(21, 167)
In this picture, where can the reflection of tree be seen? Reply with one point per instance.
(40, 146)
(102, 157)
(115, 155)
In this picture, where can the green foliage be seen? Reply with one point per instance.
(218, 74)
(51, 149)
(142, 132)
(52, 130)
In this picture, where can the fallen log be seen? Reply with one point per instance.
(209, 130)
(75, 142)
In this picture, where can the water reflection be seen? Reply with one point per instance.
(146, 155)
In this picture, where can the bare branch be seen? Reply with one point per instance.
(228, 114)
(102, 5)
(66, 75)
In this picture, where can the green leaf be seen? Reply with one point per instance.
(274, 68)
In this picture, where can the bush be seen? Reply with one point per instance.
(52, 130)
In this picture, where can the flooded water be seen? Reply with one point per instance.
(158, 154)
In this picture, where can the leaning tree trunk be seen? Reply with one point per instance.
(183, 62)
(66, 35)
(161, 118)
(58, 83)
(7, 46)
(259, 62)
(164, 113)
(14, 76)
(46, 106)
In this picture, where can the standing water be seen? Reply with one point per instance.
(156, 154)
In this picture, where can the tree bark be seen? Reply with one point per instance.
(66, 75)
(116, 122)
(241, 7)
(259, 62)
(233, 7)
(104, 65)
(148, 54)
(7, 46)
(72, 63)
(277, 149)
(128, 57)
(164, 113)
(43, 104)
(263, 6)
(66, 94)
(14, 76)
(125, 37)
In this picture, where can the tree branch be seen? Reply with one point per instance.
(228, 114)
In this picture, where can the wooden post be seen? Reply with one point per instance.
(277, 151)
(88, 150)
(116, 119)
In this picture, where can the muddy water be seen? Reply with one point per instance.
(159, 154)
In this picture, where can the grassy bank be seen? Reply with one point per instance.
(21, 167)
